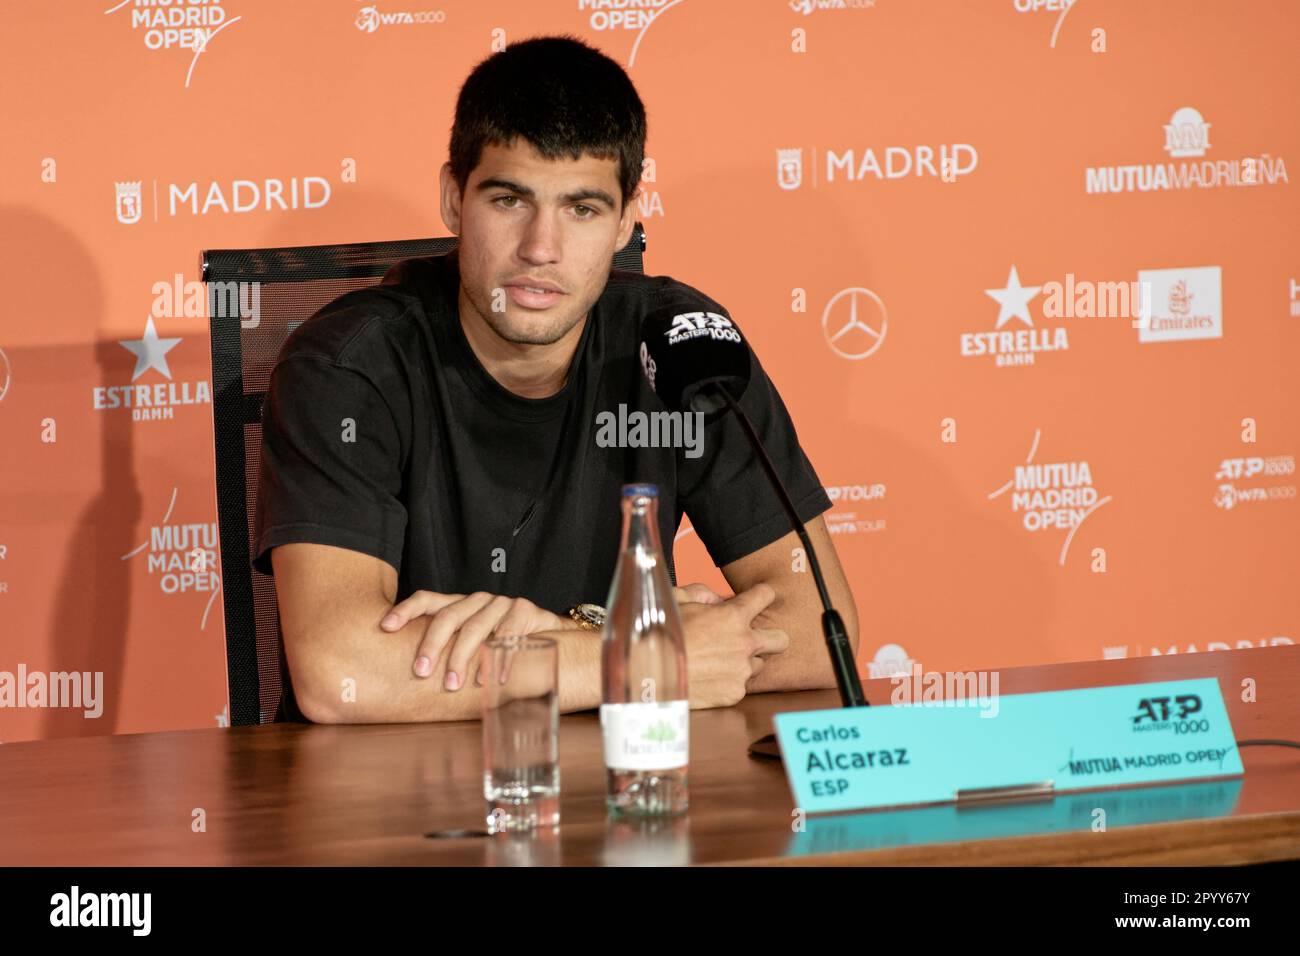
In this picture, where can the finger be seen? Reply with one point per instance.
(470, 638)
(697, 593)
(440, 629)
(507, 658)
(419, 603)
(751, 602)
(474, 673)
(756, 665)
(771, 640)
(523, 618)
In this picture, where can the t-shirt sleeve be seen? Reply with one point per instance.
(726, 492)
(331, 463)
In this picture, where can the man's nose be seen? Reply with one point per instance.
(540, 242)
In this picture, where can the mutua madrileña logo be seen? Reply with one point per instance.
(1187, 140)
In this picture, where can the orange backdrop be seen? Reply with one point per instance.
(922, 213)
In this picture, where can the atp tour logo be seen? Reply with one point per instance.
(1164, 713)
(840, 521)
(1014, 346)
(150, 401)
(694, 325)
(177, 25)
(1187, 139)
(1052, 495)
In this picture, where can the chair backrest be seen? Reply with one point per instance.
(291, 284)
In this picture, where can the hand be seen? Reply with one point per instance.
(697, 594)
(469, 620)
(723, 647)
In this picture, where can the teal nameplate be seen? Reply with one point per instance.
(883, 756)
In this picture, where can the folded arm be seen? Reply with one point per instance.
(346, 669)
(797, 609)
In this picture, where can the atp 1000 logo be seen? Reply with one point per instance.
(691, 325)
(1165, 713)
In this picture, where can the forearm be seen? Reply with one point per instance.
(806, 663)
(360, 674)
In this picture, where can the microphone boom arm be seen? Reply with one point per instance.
(837, 638)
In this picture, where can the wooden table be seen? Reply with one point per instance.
(361, 795)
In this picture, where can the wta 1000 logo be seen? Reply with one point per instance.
(1170, 713)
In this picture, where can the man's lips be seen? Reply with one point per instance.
(531, 299)
(530, 284)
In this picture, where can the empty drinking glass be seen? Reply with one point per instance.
(521, 732)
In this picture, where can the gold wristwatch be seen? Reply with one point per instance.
(590, 617)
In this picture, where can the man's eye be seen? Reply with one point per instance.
(503, 198)
(589, 209)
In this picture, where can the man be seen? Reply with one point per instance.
(430, 469)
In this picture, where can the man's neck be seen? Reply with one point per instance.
(529, 371)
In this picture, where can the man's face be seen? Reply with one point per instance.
(524, 219)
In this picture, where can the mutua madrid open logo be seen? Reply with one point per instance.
(1165, 713)
(150, 401)
(1050, 496)
(176, 25)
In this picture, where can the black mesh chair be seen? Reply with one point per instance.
(292, 283)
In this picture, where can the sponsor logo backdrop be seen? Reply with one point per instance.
(1026, 273)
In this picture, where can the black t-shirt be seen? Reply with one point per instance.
(383, 433)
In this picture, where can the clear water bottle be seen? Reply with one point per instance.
(645, 716)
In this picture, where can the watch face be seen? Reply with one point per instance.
(592, 612)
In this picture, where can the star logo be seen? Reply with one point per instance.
(1013, 301)
(149, 350)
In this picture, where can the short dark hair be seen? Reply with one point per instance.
(565, 97)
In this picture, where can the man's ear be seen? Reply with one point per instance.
(627, 221)
(450, 199)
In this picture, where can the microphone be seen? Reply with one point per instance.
(696, 360)
(685, 354)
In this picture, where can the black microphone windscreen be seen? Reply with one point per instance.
(685, 350)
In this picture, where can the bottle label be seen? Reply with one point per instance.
(640, 736)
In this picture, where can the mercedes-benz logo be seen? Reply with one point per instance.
(852, 338)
